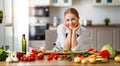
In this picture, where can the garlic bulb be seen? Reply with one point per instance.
(8, 59)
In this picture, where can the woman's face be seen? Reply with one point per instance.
(71, 20)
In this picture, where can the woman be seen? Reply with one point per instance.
(70, 33)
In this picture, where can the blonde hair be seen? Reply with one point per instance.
(72, 11)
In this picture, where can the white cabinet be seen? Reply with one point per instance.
(8, 12)
(105, 36)
(118, 38)
(104, 2)
(33, 3)
(117, 2)
(1, 36)
(61, 2)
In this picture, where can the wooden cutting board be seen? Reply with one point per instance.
(60, 52)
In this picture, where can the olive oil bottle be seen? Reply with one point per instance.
(23, 44)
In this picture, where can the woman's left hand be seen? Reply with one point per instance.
(77, 27)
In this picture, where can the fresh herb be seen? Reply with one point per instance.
(67, 51)
(3, 54)
(86, 54)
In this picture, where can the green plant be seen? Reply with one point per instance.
(107, 20)
(1, 14)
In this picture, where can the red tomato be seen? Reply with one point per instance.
(32, 58)
(56, 57)
(21, 58)
(25, 59)
(40, 55)
(28, 58)
(34, 51)
(90, 49)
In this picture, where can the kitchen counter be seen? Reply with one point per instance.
(102, 25)
(57, 62)
(92, 26)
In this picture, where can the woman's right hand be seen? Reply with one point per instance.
(66, 26)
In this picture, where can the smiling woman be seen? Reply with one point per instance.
(70, 32)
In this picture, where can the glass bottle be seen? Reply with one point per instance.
(23, 44)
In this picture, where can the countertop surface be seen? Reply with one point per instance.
(57, 62)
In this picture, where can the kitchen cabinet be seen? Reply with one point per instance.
(33, 3)
(117, 2)
(104, 2)
(95, 37)
(1, 36)
(118, 39)
(104, 36)
(61, 3)
(6, 30)
(9, 38)
(87, 40)
(7, 11)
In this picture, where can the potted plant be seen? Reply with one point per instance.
(1, 16)
(107, 21)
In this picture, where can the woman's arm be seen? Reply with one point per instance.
(67, 44)
(74, 39)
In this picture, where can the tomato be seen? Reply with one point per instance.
(28, 58)
(25, 59)
(90, 49)
(32, 58)
(34, 51)
(56, 57)
(40, 55)
(21, 58)
(49, 57)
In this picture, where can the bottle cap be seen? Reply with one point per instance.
(23, 34)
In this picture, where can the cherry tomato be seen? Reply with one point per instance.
(40, 55)
(28, 58)
(34, 51)
(21, 58)
(56, 57)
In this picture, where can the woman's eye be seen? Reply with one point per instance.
(67, 20)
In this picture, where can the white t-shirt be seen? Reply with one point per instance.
(62, 31)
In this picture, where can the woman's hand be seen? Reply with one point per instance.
(66, 26)
(77, 27)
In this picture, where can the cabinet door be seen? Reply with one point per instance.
(9, 38)
(1, 4)
(33, 3)
(61, 2)
(104, 36)
(109, 2)
(117, 2)
(104, 2)
(8, 11)
(118, 39)
(87, 40)
(66, 3)
(1, 36)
